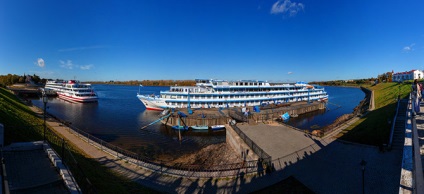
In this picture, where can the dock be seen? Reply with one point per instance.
(25, 91)
(266, 114)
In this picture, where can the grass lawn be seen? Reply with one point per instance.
(374, 128)
(22, 124)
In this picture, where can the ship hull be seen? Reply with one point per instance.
(152, 103)
(76, 99)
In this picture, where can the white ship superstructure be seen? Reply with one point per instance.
(211, 93)
(72, 90)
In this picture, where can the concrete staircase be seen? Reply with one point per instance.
(399, 130)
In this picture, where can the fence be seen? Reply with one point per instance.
(190, 121)
(197, 171)
(392, 129)
(252, 145)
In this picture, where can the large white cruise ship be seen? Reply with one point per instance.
(71, 90)
(211, 93)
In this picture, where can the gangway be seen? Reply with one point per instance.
(329, 103)
(164, 117)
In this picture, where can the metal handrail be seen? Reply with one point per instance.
(418, 180)
(259, 151)
(227, 170)
(393, 124)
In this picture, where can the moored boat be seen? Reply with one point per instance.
(180, 127)
(211, 93)
(200, 127)
(72, 90)
(217, 127)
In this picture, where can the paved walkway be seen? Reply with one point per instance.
(419, 122)
(277, 140)
(29, 169)
(327, 166)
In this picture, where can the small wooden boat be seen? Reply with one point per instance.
(200, 127)
(180, 127)
(217, 127)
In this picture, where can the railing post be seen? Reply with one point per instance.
(116, 150)
(63, 149)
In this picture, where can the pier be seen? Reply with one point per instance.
(266, 114)
(25, 91)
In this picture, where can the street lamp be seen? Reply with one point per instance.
(363, 164)
(45, 99)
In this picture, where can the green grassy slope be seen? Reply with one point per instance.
(22, 124)
(374, 128)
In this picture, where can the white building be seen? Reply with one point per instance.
(407, 75)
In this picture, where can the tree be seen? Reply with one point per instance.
(36, 79)
(21, 80)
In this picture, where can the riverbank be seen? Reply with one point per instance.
(239, 184)
(374, 127)
(23, 123)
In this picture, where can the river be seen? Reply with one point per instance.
(118, 117)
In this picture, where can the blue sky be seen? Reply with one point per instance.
(285, 40)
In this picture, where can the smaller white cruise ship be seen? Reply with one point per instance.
(211, 93)
(71, 90)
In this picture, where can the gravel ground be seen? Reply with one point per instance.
(216, 154)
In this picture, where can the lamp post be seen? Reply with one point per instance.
(45, 99)
(363, 164)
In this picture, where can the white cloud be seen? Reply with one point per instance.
(86, 67)
(287, 7)
(409, 48)
(289, 72)
(40, 62)
(67, 65)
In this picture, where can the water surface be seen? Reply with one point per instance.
(118, 117)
